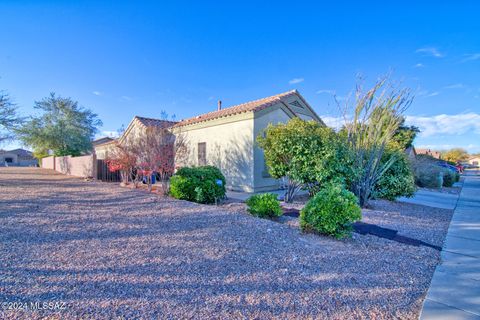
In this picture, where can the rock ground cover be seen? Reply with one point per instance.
(111, 252)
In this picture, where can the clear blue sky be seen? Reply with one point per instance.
(138, 58)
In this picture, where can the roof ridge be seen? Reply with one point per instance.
(258, 100)
(156, 119)
(204, 116)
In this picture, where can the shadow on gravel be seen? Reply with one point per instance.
(372, 229)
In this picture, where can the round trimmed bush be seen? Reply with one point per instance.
(182, 188)
(331, 212)
(198, 184)
(264, 205)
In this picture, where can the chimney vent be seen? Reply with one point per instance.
(219, 105)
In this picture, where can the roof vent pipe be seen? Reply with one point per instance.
(219, 105)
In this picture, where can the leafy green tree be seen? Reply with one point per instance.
(307, 153)
(455, 155)
(9, 119)
(404, 136)
(63, 127)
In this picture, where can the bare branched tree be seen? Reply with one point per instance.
(370, 126)
(157, 149)
(122, 157)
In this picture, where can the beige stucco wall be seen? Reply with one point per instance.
(474, 161)
(48, 162)
(102, 150)
(82, 166)
(229, 145)
(276, 114)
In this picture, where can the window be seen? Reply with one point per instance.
(202, 154)
(9, 160)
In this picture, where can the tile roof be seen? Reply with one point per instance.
(150, 122)
(429, 152)
(255, 105)
(102, 140)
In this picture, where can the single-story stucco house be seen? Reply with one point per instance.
(474, 161)
(17, 158)
(226, 137)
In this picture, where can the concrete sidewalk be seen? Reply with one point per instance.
(455, 288)
(432, 199)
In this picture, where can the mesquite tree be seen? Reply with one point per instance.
(8, 117)
(62, 126)
(370, 126)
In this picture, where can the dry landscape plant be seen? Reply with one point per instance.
(153, 152)
(157, 149)
(370, 125)
(122, 158)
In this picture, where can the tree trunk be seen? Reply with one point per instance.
(149, 182)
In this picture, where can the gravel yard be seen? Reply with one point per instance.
(111, 252)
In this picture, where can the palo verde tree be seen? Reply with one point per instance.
(306, 153)
(455, 155)
(63, 127)
(9, 120)
(370, 126)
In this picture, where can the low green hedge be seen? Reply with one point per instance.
(331, 211)
(397, 181)
(449, 178)
(198, 184)
(264, 205)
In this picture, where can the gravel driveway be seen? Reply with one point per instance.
(101, 251)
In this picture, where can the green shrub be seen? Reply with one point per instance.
(331, 211)
(182, 188)
(264, 205)
(457, 176)
(397, 181)
(307, 153)
(198, 184)
(448, 178)
(206, 192)
(427, 173)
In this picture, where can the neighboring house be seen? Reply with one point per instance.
(226, 137)
(101, 146)
(136, 127)
(474, 161)
(101, 141)
(17, 158)
(429, 152)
